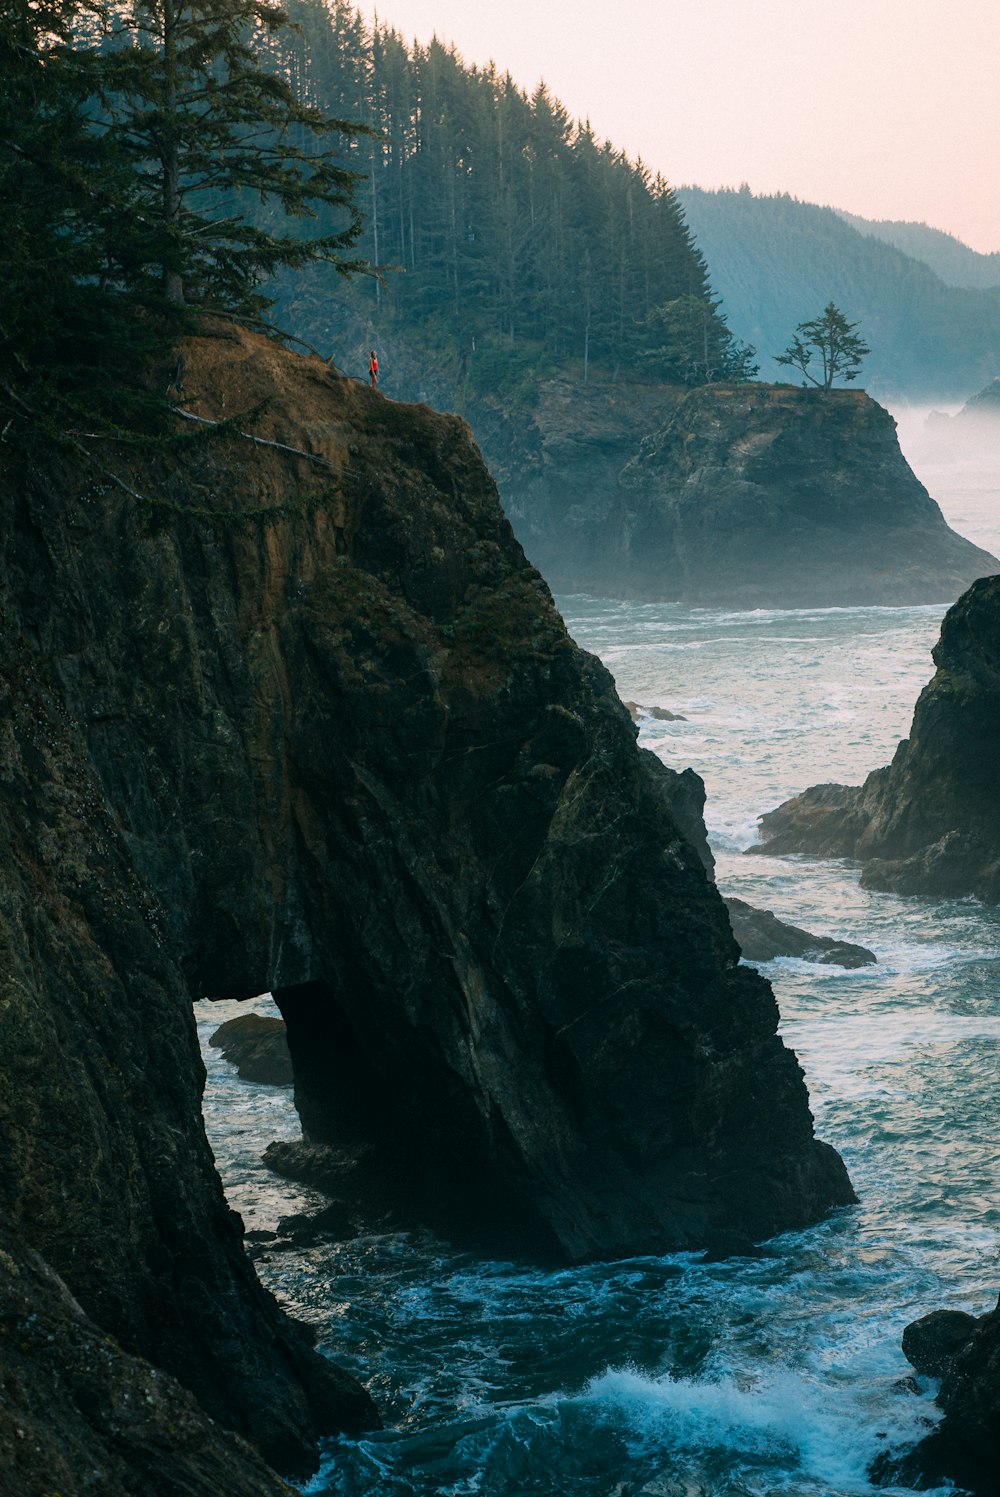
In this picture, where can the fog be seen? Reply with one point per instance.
(957, 458)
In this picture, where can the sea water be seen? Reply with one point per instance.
(672, 1377)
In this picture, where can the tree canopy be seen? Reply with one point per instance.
(832, 341)
(152, 163)
(508, 232)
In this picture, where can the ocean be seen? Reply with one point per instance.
(671, 1377)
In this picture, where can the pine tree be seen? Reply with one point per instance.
(208, 132)
(71, 344)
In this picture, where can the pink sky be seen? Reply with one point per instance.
(887, 108)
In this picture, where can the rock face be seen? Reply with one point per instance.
(81, 1418)
(928, 823)
(285, 709)
(257, 1047)
(965, 1353)
(755, 496)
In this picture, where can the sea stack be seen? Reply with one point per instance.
(928, 823)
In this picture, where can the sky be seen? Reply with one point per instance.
(885, 108)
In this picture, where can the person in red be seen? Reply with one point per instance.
(373, 369)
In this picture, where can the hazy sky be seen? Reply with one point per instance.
(887, 108)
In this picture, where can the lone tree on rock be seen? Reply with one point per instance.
(835, 343)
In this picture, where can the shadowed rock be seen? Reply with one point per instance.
(256, 1045)
(293, 714)
(928, 823)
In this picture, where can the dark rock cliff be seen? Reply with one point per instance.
(285, 708)
(928, 823)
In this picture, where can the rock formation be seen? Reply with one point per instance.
(965, 1353)
(257, 1047)
(742, 496)
(928, 823)
(285, 709)
(762, 936)
(764, 495)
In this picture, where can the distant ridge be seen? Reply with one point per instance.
(775, 261)
(947, 256)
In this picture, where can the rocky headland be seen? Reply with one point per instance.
(767, 496)
(741, 496)
(975, 428)
(929, 822)
(286, 709)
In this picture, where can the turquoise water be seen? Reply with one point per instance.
(668, 1377)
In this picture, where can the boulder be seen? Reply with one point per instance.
(932, 1343)
(256, 1045)
(762, 936)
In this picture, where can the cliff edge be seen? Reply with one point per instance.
(286, 709)
(738, 496)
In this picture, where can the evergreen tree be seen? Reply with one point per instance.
(208, 131)
(71, 344)
(833, 339)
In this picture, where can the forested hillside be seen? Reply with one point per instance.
(776, 261)
(511, 240)
(948, 257)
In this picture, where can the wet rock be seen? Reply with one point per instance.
(932, 1343)
(661, 714)
(256, 1045)
(928, 823)
(306, 1228)
(762, 936)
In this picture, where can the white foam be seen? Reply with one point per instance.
(826, 1431)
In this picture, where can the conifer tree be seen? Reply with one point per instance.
(209, 132)
(832, 338)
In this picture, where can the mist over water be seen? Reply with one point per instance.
(670, 1377)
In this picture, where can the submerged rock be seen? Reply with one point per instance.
(285, 709)
(928, 823)
(762, 937)
(256, 1045)
(661, 714)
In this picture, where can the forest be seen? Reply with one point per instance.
(507, 236)
(296, 167)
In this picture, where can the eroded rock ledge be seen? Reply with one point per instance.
(294, 714)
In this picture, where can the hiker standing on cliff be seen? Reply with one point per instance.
(373, 369)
